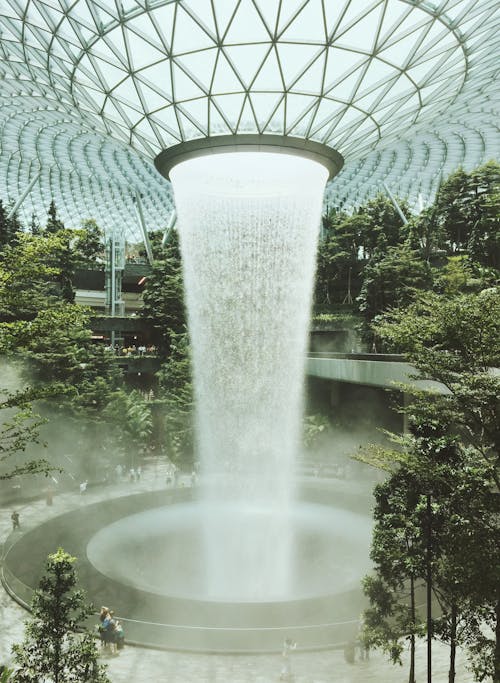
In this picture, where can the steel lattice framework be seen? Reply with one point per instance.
(93, 90)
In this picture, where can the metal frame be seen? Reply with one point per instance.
(93, 90)
(224, 144)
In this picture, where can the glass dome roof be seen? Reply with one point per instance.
(93, 90)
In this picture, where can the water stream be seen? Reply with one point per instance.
(248, 226)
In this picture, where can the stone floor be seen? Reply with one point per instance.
(139, 665)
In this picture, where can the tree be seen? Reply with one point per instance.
(51, 650)
(8, 226)
(53, 223)
(381, 219)
(391, 279)
(467, 209)
(338, 253)
(164, 295)
(175, 396)
(18, 431)
(130, 414)
(397, 554)
(89, 244)
(456, 341)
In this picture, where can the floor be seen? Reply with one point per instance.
(140, 664)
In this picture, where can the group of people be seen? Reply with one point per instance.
(132, 350)
(110, 631)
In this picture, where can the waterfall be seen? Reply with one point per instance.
(248, 226)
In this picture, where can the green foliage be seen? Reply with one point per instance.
(20, 429)
(452, 451)
(176, 398)
(9, 227)
(392, 278)
(467, 211)
(164, 295)
(130, 416)
(89, 244)
(314, 427)
(51, 650)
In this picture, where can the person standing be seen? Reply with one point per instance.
(15, 521)
(286, 671)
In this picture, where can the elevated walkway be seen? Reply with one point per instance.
(369, 369)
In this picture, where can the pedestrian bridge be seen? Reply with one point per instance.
(369, 369)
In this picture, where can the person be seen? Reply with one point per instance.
(138, 473)
(119, 635)
(364, 650)
(15, 521)
(83, 487)
(132, 474)
(107, 629)
(286, 671)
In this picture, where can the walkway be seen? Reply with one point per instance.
(140, 665)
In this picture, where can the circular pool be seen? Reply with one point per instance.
(142, 555)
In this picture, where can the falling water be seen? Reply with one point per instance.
(248, 227)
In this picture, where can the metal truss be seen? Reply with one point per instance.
(93, 90)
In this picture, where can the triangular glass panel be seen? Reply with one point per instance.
(188, 127)
(334, 12)
(325, 129)
(115, 44)
(111, 74)
(297, 106)
(188, 35)
(289, 11)
(95, 98)
(246, 23)
(277, 122)
(126, 93)
(312, 80)
(355, 15)
(339, 65)
(223, 13)
(154, 100)
(197, 110)
(157, 76)
(420, 73)
(200, 65)
(344, 90)
(246, 59)
(269, 77)
(225, 79)
(36, 38)
(361, 35)
(166, 118)
(164, 21)
(132, 114)
(263, 105)
(294, 58)
(33, 16)
(142, 145)
(326, 112)
(247, 120)
(112, 111)
(394, 15)
(308, 25)
(269, 10)
(218, 125)
(231, 105)
(203, 11)
(86, 71)
(377, 74)
(184, 88)
(141, 52)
